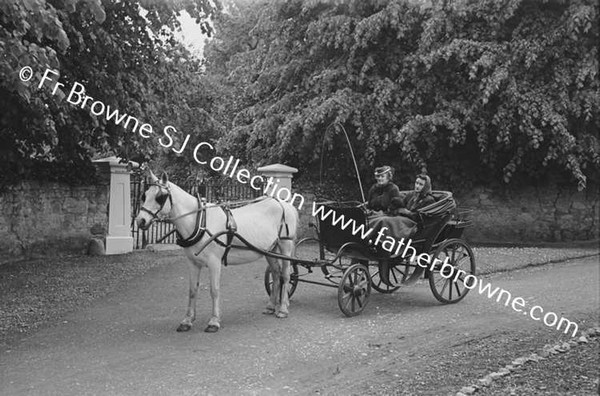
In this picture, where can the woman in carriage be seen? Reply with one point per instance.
(420, 197)
(392, 210)
(383, 191)
(395, 213)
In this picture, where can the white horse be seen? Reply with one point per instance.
(267, 224)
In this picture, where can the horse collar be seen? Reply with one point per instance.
(199, 229)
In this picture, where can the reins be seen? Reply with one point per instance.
(200, 209)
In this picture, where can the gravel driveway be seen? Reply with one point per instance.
(119, 336)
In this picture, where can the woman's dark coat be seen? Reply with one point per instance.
(380, 196)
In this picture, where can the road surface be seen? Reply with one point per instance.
(405, 342)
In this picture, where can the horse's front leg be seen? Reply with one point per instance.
(190, 315)
(214, 324)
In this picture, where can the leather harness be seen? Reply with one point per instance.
(230, 225)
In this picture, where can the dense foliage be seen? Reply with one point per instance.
(492, 90)
(125, 55)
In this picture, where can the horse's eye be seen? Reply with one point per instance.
(161, 199)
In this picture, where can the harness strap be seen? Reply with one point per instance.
(282, 223)
(231, 227)
(231, 232)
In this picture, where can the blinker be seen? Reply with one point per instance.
(161, 199)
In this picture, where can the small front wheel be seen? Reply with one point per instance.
(354, 289)
(292, 284)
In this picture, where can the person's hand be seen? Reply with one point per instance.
(404, 212)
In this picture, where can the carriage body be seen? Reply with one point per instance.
(438, 221)
(352, 261)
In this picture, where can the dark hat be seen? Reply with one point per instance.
(383, 170)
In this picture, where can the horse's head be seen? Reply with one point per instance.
(157, 201)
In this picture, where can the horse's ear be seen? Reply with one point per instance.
(164, 179)
(152, 175)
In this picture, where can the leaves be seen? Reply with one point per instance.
(117, 54)
(486, 90)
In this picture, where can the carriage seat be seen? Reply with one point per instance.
(444, 203)
(433, 217)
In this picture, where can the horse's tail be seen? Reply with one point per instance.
(289, 221)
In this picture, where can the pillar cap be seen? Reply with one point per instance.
(277, 168)
(116, 161)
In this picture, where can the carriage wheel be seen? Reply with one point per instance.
(397, 275)
(354, 290)
(299, 253)
(293, 280)
(448, 283)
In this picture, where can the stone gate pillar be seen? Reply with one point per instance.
(118, 238)
(281, 181)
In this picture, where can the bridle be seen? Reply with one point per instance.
(162, 204)
(200, 227)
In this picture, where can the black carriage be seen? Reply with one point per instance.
(355, 265)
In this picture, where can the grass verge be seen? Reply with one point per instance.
(38, 291)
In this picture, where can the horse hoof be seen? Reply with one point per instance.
(269, 311)
(184, 327)
(281, 315)
(211, 329)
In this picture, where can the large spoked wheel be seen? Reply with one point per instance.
(449, 283)
(292, 284)
(354, 290)
(397, 275)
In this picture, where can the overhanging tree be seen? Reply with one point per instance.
(125, 55)
(490, 90)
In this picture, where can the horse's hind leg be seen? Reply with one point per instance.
(287, 247)
(273, 304)
(190, 315)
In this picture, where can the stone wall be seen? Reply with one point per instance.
(538, 214)
(550, 213)
(51, 218)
